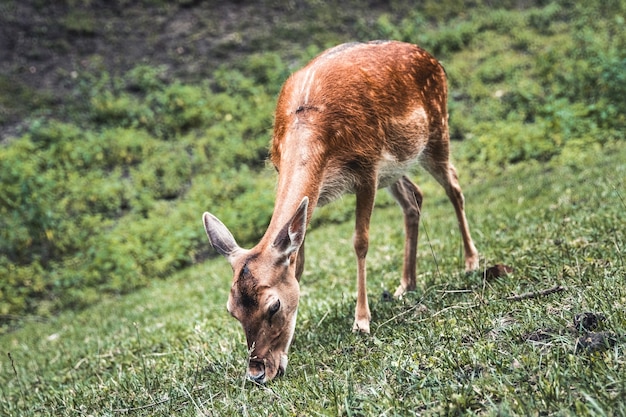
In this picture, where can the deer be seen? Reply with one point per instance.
(355, 119)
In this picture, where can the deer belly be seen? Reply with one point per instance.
(344, 180)
(390, 169)
(336, 183)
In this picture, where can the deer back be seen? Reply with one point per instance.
(357, 111)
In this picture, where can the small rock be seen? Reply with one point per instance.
(588, 321)
(593, 342)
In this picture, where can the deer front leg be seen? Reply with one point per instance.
(409, 197)
(364, 207)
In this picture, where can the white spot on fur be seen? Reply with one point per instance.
(387, 157)
(307, 82)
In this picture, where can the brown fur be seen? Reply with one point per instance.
(355, 119)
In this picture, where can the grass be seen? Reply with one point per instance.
(455, 346)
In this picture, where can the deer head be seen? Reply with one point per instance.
(265, 292)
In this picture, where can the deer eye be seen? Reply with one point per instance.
(274, 308)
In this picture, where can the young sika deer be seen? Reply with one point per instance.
(355, 119)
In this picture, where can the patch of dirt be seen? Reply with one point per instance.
(588, 321)
(42, 44)
(583, 329)
(45, 46)
(592, 342)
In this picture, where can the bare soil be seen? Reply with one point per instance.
(45, 46)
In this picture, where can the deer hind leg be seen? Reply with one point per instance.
(364, 207)
(409, 197)
(446, 175)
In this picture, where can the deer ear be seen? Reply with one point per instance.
(219, 235)
(291, 236)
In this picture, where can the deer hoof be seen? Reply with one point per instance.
(361, 325)
(472, 263)
(403, 289)
(400, 292)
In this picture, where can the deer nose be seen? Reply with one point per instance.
(258, 378)
(256, 372)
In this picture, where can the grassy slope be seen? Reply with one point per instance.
(127, 149)
(454, 345)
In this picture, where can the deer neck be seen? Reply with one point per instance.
(300, 173)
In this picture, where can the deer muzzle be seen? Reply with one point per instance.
(260, 371)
